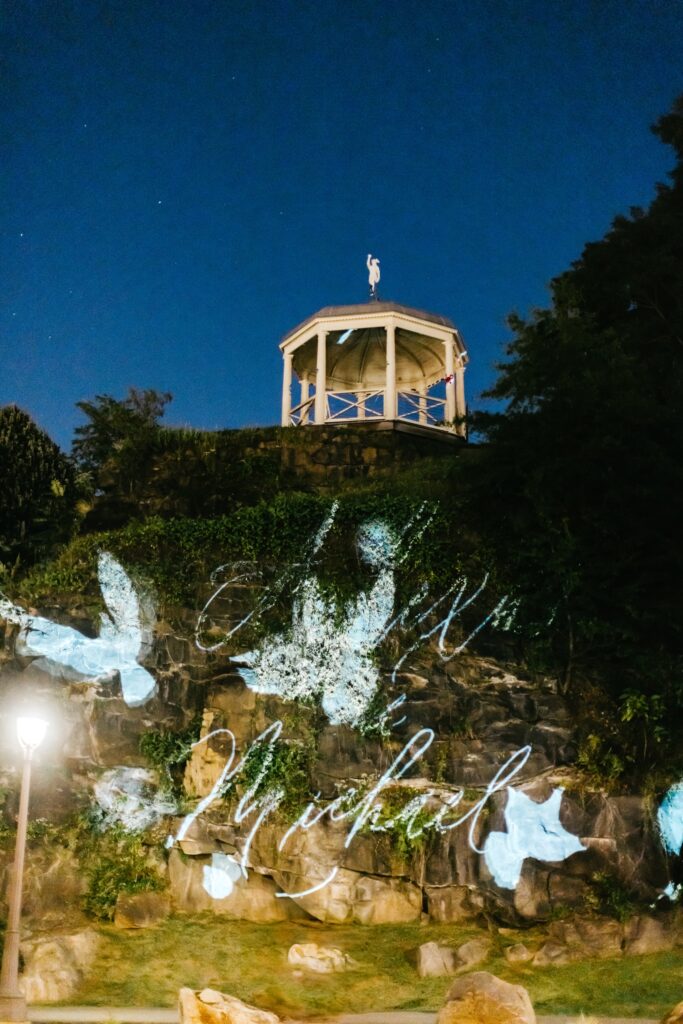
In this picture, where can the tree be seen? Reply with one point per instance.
(579, 491)
(117, 429)
(37, 509)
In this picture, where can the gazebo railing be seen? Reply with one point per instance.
(301, 413)
(351, 406)
(354, 405)
(417, 408)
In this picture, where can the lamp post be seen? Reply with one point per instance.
(31, 733)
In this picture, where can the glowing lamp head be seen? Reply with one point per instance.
(31, 732)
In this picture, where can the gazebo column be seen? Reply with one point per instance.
(390, 411)
(304, 417)
(460, 406)
(321, 379)
(450, 384)
(422, 403)
(287, 389)
(361, 395)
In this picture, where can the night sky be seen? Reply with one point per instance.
(183, 182)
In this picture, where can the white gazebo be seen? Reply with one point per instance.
(375, 361)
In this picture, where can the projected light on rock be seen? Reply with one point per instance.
(131, 799)
(673, 892)
(319, 658)
(117, 649)
(220, 876)
(533, 830)
(670, 819)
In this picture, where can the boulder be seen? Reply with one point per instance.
(472, 953)
(647, 934)
(552, 954)
(518, 954)
(482, 998)
(308, 956)
(210, 1007)
(600, 937)
(141, 909)
(674, 1016)
(435, 961)
(56, 967)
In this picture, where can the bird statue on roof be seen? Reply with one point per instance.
(373, 279)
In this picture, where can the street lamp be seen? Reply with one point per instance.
(31, 733)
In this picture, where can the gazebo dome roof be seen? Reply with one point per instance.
(356, 355)
(363, 309)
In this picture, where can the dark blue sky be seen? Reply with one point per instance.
(185, 181)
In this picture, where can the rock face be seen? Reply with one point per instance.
(481, 714)
(482, 998)
(210, 1007)
(56, 967)
(308, 956)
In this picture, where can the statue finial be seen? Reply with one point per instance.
(373, 279)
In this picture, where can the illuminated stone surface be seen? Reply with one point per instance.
(130, 797)
(220, 876)
(670, 819)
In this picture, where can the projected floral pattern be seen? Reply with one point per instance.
(319, 659)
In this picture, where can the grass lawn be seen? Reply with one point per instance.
(147, 968)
